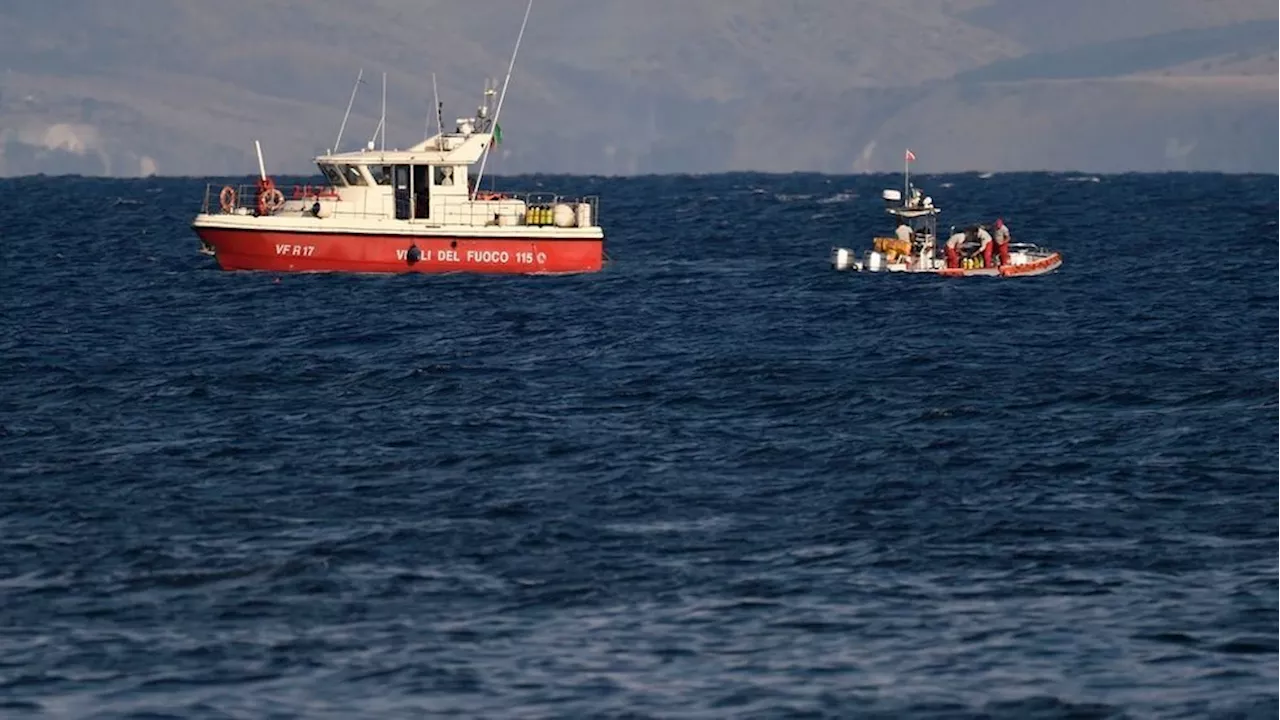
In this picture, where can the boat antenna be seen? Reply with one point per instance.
(906, 178)
(498, 112)
(343, 126)
(439, 106)
(383, 122)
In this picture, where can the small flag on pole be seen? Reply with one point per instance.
(910, 156)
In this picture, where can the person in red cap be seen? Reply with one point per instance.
(1002, 241)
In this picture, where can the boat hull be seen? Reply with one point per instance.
(295, 251)
(1036, 266)
(1032, 264)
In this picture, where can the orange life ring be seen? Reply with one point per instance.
(227, 199)
(490, 196)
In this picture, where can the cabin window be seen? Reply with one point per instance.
(444, 175)
(332, 175)
(353, 175)
(381, 174)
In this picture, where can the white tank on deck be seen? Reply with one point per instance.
(562, 215)
(325, 209)
(584, 214)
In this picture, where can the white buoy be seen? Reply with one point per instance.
(563, 216)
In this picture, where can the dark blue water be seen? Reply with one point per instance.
(717, 479)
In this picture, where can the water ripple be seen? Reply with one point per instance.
(716, 479)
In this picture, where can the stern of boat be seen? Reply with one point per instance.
(1029, 260)
(845, 260)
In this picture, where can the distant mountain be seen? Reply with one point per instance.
(615, 86)
(1127, 56)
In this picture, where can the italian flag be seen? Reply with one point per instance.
(497, 134)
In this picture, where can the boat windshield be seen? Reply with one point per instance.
(921, 224)
(332, 175)
(381, 174)
(352, 175)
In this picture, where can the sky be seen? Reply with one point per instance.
(135, 87)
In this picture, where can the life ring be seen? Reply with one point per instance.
(270, 201)
(490, 196)
(227, 199)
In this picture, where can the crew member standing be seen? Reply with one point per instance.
(905, 233)
(954, 243)
(984, 245)
(1002, 240)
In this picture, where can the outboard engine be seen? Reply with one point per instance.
(842, 259)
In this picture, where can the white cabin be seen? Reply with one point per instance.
(430, 184)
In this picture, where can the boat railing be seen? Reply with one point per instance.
(488, 208)
(234, 199)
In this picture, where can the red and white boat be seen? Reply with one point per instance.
(398, 211)
(922, 253)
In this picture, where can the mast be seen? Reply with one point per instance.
(262, 168)
(498, 112)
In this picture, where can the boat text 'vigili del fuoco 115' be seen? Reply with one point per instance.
(412, 210)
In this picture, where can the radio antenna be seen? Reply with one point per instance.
(439, 106)
(498, 112)
(348, 113)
